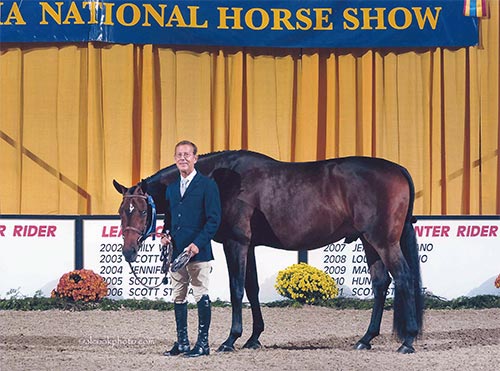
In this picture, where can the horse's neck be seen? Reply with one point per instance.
(207, 164)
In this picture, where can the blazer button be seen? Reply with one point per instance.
(179, 215)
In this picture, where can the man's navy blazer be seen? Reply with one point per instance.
(195, 217)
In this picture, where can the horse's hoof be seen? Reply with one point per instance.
(404, 349)
(225, 348)
(255, 344)
(362, 346)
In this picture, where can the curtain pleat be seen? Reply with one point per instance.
(75, 117)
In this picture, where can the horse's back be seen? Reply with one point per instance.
(320, 202)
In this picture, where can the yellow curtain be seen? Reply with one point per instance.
(75, 117)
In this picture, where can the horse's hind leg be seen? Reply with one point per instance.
(405, 314)
(380, 283)
(252, 290)
(405, 318)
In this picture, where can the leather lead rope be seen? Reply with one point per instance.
(165, 258)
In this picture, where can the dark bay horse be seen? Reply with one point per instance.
(297, 206)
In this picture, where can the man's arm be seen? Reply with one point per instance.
(213, 214)
(167, 221)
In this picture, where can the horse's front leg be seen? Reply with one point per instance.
(236, 257)
(252, 290)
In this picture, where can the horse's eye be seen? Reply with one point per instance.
(144, 212)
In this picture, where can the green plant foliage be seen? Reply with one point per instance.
(42, 303)
(475, 302)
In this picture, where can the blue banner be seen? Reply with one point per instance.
(262, 23)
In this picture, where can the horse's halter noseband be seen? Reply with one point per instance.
(150, 230)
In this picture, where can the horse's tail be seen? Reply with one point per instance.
(409, 247)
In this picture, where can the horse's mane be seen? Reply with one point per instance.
(235, 151)
(216, 153)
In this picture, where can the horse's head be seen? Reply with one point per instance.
(137, 214)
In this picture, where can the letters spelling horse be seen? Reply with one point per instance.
(294, 206)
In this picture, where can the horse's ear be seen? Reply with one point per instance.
(144, 186)
(121, 189)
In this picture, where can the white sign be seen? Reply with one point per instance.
(35, 253)
(458, 257)
(102, 247)
(102, 253)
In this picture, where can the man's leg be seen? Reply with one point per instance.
(180, 281)
(200, 274)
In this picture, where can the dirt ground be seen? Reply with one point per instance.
(307, 338)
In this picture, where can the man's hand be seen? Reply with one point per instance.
(165, 240)
(193, 249)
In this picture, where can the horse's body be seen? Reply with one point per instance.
(296, 206)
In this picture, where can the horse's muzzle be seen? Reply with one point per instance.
(130, 254)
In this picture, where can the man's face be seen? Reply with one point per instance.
(185, 159)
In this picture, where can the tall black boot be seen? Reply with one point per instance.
(182, 343)
(201, 347)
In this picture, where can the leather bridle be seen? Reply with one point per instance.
(150, 230)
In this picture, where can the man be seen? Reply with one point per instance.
(193, 217)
